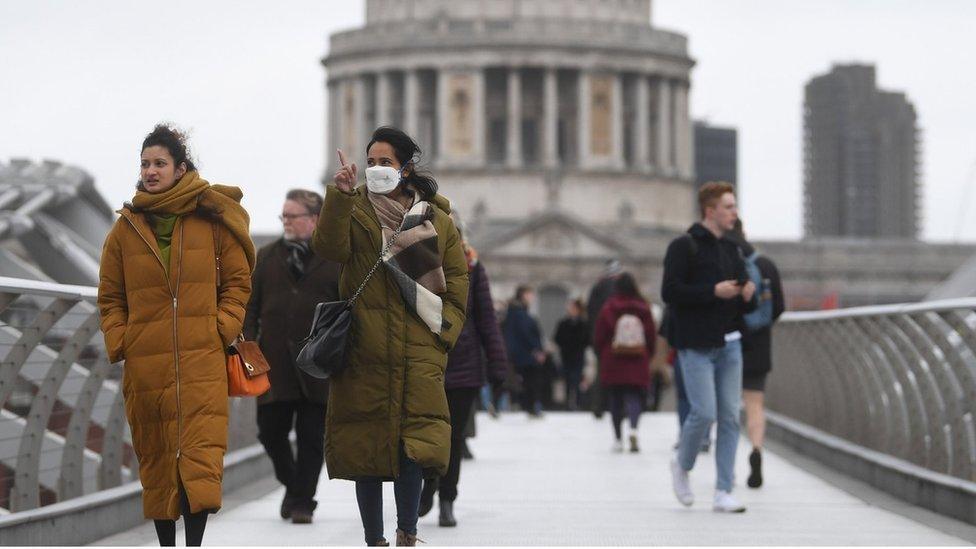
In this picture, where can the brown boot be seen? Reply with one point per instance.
(405, 540)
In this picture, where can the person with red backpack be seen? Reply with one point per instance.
(624, 339)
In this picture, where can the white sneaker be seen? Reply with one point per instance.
(725, 502)
(618, 446)
(680, 483)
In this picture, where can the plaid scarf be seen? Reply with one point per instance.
(414, 260)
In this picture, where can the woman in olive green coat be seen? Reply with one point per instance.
(387, 414)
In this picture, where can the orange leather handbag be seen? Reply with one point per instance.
(247, 369)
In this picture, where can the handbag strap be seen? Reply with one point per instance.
(376, 265)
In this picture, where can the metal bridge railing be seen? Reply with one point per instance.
(899, 379)
(63, 431)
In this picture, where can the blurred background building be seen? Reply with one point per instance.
(716, 154)
(860, 153)
(559, 129)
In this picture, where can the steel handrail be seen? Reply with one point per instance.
(63, 432)
(898, 379)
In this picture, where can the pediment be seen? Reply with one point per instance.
(557, 235)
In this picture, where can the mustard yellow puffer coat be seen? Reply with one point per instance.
(172, 331)
(392, 391)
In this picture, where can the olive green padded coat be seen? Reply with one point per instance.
(392, 391)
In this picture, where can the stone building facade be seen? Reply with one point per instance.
(560, 131)
(557, 126)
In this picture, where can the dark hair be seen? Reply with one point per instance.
(174, 141)
(310, 199)
(626, 285)
(738, 237)
(408, 154)
(521, 291)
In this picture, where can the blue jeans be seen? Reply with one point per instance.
(679, 384)
(406, 489)
(713, 384)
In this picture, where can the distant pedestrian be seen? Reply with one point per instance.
(625, 339)
(288, 282)
(573, 337)
(706, 286)
(170, 314)
(599, 295)
(478, 355)
(523, 339)
(388, 417)
(757, 350)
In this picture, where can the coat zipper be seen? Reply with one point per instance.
(176, 358)
(179, 414)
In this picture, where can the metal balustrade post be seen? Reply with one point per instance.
(856, 408)
(948, 362)
(70, 484)
(911, 377)
(899, 379)
(930, 366)
(26, 493)
(879, 406)
(28, 339)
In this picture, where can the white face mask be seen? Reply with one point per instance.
(382, 179)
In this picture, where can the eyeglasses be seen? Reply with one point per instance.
(291, 217)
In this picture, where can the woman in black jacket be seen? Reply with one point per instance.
(757, 360)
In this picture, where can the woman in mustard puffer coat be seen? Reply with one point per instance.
(387, 414)
(163, 313)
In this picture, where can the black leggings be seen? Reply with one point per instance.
(194, 525)
(459, 404)
(626, 401)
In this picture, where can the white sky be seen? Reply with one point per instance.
(83, 82)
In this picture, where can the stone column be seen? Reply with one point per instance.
(361, 132)
(617, 123)
(664, 162)
(642, 128)
(550, 106)
(480, 122)
(334, 119)
(411, 104)
(441, 117)
(383, 114)
(514, 125)
(583, 119)
(683, 138)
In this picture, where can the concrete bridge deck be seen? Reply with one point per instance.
(555, 482)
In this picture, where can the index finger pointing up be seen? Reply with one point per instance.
(342, 158)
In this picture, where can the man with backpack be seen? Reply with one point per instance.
(757, 345)
(708, 290)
